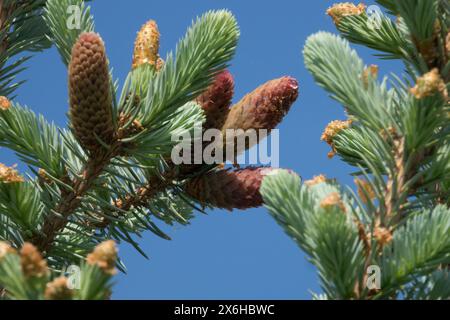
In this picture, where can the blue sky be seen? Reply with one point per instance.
(239, 255)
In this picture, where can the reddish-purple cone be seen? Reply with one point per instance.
(216, 100)
(90, 93)
(265, 107)
(229, 190)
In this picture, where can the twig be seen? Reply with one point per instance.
(71, 199)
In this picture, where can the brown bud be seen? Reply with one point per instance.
(159, 64)
(389, 133)
(216, 100)
(146, 47)
(90, 93)
(58, 289)
(33, 265)
(229, 190)
(371, 71)
(383, 236)
(44, 177)
(365, 190)
(104, 256)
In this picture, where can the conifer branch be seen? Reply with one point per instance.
(397, 137)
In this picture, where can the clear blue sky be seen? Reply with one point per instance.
(239, 255)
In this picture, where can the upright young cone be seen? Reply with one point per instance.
(216, 100)
(90, 93)
(229, 190)
(146, 47)
(265, 107)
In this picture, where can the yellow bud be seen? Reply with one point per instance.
(429, 84)
(346, 9)
(104, 256)
(316, 180)
(9, 174)
(58, 289)
(146, 47)
(33, 265)
(5, 104)
(333, 200)
(332, 130)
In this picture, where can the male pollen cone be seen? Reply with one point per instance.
(216, 100)
(90, 92)
(229, 190)
(146, 46)
(265, 107)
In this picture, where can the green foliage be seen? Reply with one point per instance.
(327, 235)
(73, 202)
(88, 282)
(59, 14)
(21, 206)
(19, 287)
(382, 35)
(36, 142)
(398, 141)
(22, 30)
(419, 16)
(417, 249)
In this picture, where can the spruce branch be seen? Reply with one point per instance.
(109, 175)
(57, 16)
(21, 30)
(397, 136)
(71, 198)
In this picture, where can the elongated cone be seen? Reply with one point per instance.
(229, 190)
(264, 108)
(90, 92)
(146, 46)
(216, 101)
